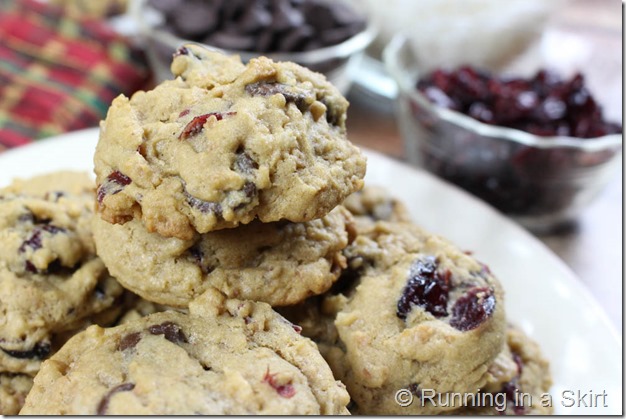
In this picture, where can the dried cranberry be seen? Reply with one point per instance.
(426, 288)
(543, 105)
(196, 125)
(284, 390)
(473, 308)
(114, 183)
(34, 240)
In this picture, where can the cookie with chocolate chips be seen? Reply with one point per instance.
(225, 357)
(517, 380)
(223, 144)
(51, 280)
(410, 312)
(278, 263)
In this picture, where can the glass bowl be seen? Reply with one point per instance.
(541, 182)
(336, 62)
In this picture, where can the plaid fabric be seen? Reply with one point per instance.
(57, 73)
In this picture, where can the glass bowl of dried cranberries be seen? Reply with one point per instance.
(535, 148)
(327, 36)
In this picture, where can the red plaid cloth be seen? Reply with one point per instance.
(57, 73)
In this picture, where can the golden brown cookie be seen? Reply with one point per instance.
(225, 143)
(279, 263)
(224, 357)
(51, 280)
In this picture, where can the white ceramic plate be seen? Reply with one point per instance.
(543, 295)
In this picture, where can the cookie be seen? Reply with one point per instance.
(413, 313)
(50, 278)
(224, 144)
(225, 357)
(375, 203)
(13, 391)
(518, 379)
(279, 263)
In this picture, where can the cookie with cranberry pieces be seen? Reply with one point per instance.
(520, 376)
(412, 312)
(51, 280)
(224, 357)
(223, 144)
(279, 263)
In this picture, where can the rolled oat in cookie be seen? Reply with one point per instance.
(224, 357)
(13, 391)
(410, 313)
(51, 280)
(279, 263)
(223, 144)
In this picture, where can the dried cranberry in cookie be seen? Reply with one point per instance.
(279, 263)
(519, 370)
(51, 281)
(223, 144)
(421, 314)
(226, 356)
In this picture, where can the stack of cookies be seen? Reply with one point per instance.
(258, 275)
(52, 284)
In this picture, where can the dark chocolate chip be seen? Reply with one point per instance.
(40, 351)
(103, 406)
(232, 41)
(244, 163)
(197, 256)
(255, 17)
(129, 341)
(195, 22)
(204, 206)
(291, 94)
(171, 331)
(285, 16)
(249, 188)
(296, 38)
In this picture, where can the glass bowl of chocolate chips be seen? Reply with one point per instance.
(536, 148)
(327, 36)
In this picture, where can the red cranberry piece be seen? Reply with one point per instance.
(103, 406)
(34, 240)
(473, 308)
(426, 288)
(196, 125)
(114, 183)
(171, 331)
(544, 105)
(284, 390)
